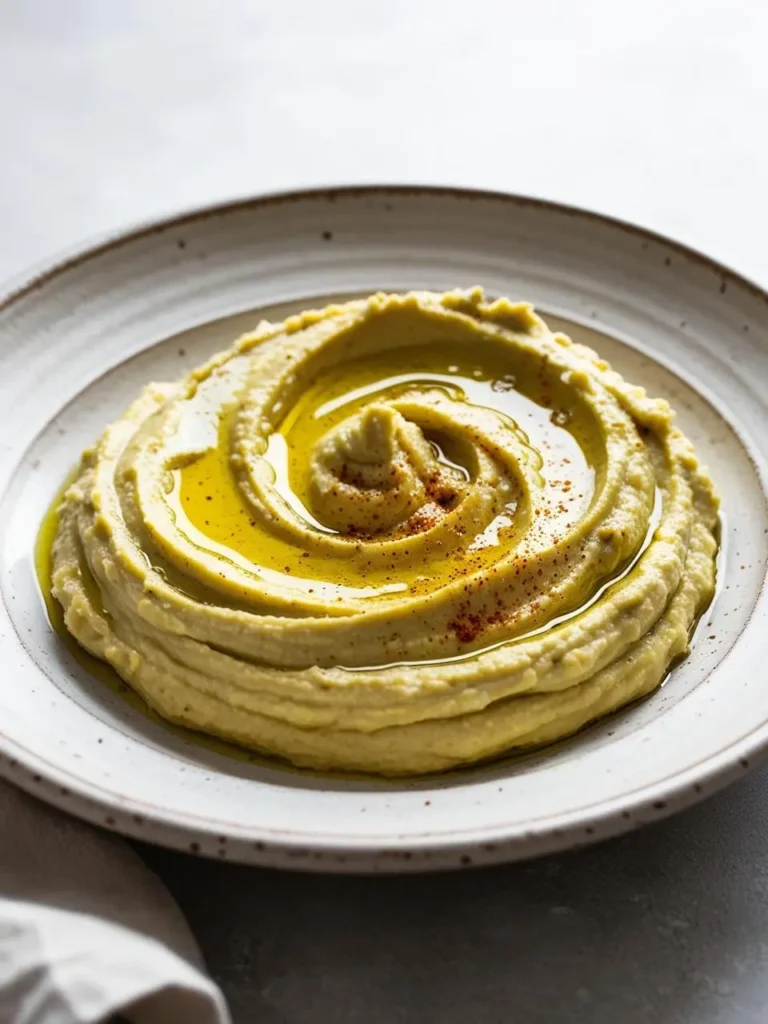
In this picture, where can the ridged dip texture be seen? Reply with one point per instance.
(396, 535)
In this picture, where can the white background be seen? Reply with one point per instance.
(657, 112)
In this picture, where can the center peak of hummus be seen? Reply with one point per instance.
(375, 470)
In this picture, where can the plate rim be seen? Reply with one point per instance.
(39, 272)
(659, 799)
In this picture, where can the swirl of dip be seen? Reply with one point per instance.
(396, 535)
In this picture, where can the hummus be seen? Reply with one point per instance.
(396, 535)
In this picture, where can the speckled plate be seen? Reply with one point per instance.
(79, 339)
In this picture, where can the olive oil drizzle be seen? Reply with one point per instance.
(211, 510)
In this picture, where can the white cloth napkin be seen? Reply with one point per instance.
(87, 931)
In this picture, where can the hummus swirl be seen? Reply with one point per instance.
(395, 535)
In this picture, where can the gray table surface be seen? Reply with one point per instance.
(116, 111)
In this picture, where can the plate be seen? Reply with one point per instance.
(78, 340)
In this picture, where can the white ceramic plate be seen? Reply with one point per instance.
(79, 340)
